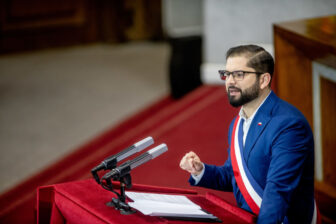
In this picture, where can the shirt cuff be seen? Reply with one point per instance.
(198, 177)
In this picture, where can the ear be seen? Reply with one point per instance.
(264, 80)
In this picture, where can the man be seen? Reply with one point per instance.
(270, 167)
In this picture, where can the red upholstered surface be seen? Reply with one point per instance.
(84, 202)
(198, 122)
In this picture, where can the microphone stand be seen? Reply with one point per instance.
(120, 202)
(122, 174)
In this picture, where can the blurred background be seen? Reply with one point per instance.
(71, 69)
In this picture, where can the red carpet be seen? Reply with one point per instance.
(197, 122)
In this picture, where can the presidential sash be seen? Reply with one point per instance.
(250, 189)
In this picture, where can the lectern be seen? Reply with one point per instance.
(85, 202)
(305, 76)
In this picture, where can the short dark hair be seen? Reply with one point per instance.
(259, 59)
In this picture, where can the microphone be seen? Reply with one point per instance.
(111, 162)
(126, 167)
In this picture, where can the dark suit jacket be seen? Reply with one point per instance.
(280, 156)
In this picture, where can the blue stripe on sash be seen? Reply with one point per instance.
(254, 184)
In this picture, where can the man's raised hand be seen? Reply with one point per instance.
(191, 163)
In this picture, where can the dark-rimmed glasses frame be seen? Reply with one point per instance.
(237, 75)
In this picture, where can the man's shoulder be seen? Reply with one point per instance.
(286, 116)
(283, 108)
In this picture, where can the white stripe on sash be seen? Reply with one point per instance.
(254, 195)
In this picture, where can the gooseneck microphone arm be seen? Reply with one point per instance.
(126, 167)
(111, 162)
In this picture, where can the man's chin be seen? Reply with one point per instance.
(234, 101)
(234, 98)
(235, 104)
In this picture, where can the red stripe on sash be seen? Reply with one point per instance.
(253, 206)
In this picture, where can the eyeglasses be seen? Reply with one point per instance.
(237, 75)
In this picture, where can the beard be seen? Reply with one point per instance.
(246, 96)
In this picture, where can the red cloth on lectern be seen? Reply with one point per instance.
(199, 122)
(84, 202)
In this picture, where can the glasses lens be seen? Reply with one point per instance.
(222, 74)
(238, 75)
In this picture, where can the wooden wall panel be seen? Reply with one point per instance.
(328, 120)
(144, 25)
(21, 14)
(35, 24)
(293, 82)
(27, 25)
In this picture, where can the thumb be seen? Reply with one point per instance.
(198, 165)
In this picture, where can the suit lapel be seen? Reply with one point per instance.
(258, 125)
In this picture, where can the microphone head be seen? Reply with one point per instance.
(136, 147)
(144, 143)
(158, 150)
